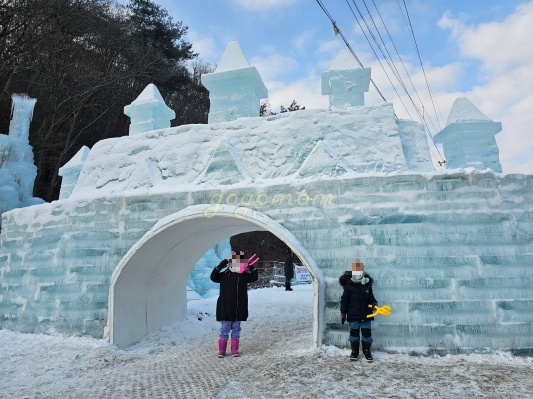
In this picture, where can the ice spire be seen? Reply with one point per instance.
(468, 138)
(345, 82)
(149, 111)
(235, 88)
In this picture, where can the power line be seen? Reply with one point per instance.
(347, 43)
(393, 67)
(397, 53)
(374, 51)
(421, 64)
(390, 63)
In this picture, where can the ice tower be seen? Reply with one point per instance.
(451, 252)
(345, 82)
(17, 170)
(235, 88)
(149, 111)
(468, 138)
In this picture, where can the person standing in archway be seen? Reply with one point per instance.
(288, 270)
(357, 303)
(232, 303)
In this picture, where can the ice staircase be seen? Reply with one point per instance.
(455, 264)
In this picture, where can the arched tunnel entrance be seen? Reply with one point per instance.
(148, 287)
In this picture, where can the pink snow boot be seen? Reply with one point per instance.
(235, 347)
(222, 343)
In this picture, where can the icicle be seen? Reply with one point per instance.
(21, 115)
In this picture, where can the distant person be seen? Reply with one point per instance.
(232, 303)
(357, 302)
(288, 270)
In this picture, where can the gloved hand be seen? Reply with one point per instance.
(222, 264)
(342, 317)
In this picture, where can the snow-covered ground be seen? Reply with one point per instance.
(277, 362)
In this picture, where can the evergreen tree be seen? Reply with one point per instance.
(293, 107)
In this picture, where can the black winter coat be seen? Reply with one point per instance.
(232, 304)
(356, 298)
(289, 267)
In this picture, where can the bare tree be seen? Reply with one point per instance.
(84, 60)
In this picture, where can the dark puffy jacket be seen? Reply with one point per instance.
(289, 267)
(232, 304)
(356, 298)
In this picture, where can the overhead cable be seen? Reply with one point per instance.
(422, 65)
(336, 28)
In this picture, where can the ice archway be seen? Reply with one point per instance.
(148, 287)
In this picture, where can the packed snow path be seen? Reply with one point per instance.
(276, 362)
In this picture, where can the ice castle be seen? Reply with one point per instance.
(451, 252)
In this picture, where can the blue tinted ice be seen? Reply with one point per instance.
(17, 171)
(468, 138)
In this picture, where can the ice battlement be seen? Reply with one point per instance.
(237, 147)
(345, 82)
(289, 146)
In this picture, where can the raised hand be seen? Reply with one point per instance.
(252, 260)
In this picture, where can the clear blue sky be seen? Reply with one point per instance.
(479, 49)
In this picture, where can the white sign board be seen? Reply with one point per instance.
(301, 273)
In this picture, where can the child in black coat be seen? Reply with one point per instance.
(357, 302)
(232, 303)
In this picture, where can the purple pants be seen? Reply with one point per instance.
(227, 326)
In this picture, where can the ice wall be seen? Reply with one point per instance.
(199, 284)
(17, 171)
(235, 88)
(415, 146)
(283, 147)
(345, 83)
(468, 138)
(450, 253)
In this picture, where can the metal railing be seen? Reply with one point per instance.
(271, 273)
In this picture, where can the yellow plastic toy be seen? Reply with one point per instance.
(384, 310)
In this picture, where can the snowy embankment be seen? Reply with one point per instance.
(277, 362)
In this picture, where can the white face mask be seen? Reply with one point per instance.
(357, 274)
(237, 266)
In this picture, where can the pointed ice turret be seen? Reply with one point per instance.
(235, 88)
(149, 111)
(345, 82)
(468, 138)
(71, 171)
